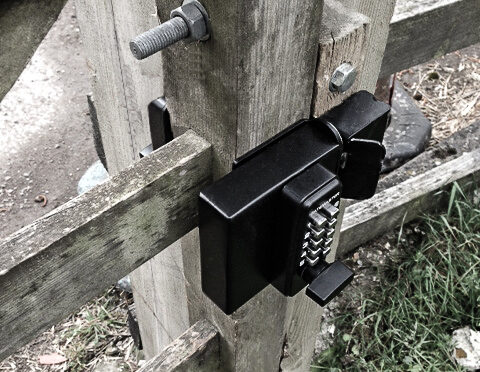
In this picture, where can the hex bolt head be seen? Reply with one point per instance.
(189, 22)
(342, 78)
(196, 18)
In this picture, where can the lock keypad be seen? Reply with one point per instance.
(318, 237)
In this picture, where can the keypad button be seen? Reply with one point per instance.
(329, 210)
(329, 233)
(314, 253)
(317, 219)
(314, 233)
(315, 243)
(312, 261)
(331, 223)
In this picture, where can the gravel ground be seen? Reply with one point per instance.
(47, 145)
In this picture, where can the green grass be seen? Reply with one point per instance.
(429, 289)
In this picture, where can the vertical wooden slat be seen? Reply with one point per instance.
(343, 38)
(253, 78)
(122, 88)
(380, 14)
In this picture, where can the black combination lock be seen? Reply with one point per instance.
(272, 220)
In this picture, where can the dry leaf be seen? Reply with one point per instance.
(51, 359)
(460, 353)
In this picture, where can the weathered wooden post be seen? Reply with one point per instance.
(266, 65)
(255, 76)
(122, 89)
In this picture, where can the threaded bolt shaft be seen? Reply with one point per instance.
(158, 38)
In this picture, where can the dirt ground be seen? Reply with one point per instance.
(447, 90)
(46, 145)
(45, 140)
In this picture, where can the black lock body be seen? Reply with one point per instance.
(270, 220)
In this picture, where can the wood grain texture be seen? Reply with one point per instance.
(52, 267)
(406, 201)
(380, 13)
(343, 38)
(161, 299)
(423, 30)
(253, 78)
(197, 350)
(303, 315)
(23, 25)
(123, 87)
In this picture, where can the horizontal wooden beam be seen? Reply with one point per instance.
(406, 201)
(53, 266)
(198, 349)
(23, 25)
(423, 30)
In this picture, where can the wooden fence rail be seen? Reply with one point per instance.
(53, 266)
(196, 350)
(428, 29)
(406, 201)
(23, 25)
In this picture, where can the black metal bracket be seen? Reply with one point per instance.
(272, 219)
(160, 126)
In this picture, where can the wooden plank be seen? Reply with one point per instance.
(343, 38)
(348, 28)
(253, 78)
(23, 25)
(160, 298)
(380, 14)
(197, 350)
(406, 201)
(123, 88)
(53, 266)
(424, 30)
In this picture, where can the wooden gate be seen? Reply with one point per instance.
(266, 66)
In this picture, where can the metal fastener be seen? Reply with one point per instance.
(189, 22)
(343, 78)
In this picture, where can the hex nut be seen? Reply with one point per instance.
(342, 78)
(191, 12)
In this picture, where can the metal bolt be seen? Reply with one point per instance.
(343, 78)
(190, 22)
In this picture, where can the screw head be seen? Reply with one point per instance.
(343, 78)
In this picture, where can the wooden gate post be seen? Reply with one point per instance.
(254, 77)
